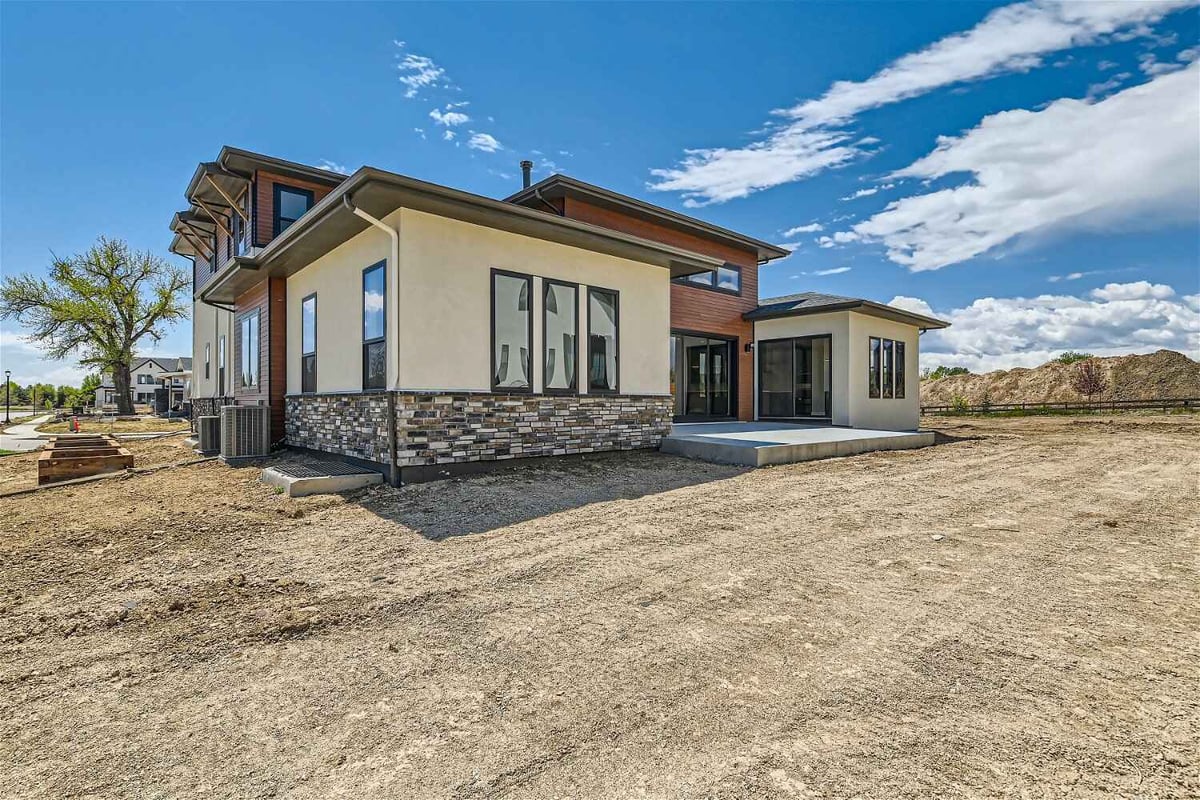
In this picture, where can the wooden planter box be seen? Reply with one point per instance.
(64, 459)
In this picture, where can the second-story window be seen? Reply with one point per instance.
(723, 279)
(290, 205)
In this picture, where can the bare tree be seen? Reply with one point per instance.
(1087, 378)
(96, 307)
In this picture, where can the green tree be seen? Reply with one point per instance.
(97, 307)
(1071, 356)
(944, 372)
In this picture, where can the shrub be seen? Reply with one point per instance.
(1071, 356)
(1088, 379)
(959, 403)
(945, 372)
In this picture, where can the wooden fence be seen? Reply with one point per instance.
(1099, 405)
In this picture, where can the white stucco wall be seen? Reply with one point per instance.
(336, 278)
(851, 334)
(883, 413)
(445, 311)
(208, 324)
(439, 306)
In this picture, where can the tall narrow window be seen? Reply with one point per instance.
(560, 309)
(899, 369)
(249, 350)
(603, 324)
(308, 344)
(290, 205)
(207, 359)
(512, 331)
(374, 320)
(886, 380)
(221, 366)
(873, 369)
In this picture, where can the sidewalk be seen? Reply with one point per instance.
(24, 437)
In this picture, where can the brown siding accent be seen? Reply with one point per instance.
(264, 201)
(270, 299)
(693, 308)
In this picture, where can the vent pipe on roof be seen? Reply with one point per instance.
(526, 169)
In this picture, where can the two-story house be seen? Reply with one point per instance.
(426, 330)
(146, 375)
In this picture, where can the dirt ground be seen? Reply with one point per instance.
(19, 471)
(144, 425)
(1012, 613)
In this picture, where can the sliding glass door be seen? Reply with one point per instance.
(702, 377)
(795, 378)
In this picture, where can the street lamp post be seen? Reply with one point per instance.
(7, 394)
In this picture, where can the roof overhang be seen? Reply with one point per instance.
(557, 186)
(377, 192)
(868, 307)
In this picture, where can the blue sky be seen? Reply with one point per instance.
(1030, 171)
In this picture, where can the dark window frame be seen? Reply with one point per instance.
(497, 389)
(305, 355)
(276, 189)
(715, 286)
(896, 389)
(256, 340)
(207, 359)
(367, 343)
(758, 382)
(573, 389)
(616, 340)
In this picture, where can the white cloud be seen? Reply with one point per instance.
(834, 271)
(419, 132)
(1000, 333)
(813, 228)
(485, 142)
(417, 72)
(1150, 65)
(448, 118)
(814, 136)
(448, 135)
(333, 166)
(1106, 64)
(1101, 89)
(1070, 276)
(791, 247)
(1131, 157)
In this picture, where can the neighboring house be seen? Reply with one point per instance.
(146, 375)
(395, 321)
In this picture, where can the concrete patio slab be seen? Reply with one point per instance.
(758, 444)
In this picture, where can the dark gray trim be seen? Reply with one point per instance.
(684, 280)
(496, 389)
(783, 308)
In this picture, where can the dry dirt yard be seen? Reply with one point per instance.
(1013, 613)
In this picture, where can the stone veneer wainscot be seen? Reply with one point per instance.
(455, 428)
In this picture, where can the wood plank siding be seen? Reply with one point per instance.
(264, 200)
(695, 309)
(269, 299)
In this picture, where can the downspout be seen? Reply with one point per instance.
(393, 472)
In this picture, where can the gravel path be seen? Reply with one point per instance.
(1013, 612)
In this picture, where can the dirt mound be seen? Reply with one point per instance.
(1154, 376)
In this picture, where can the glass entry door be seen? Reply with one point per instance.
(701, 377)
(795, 378)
